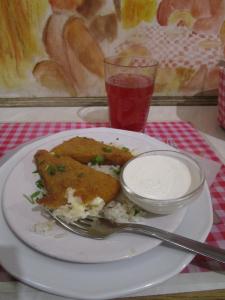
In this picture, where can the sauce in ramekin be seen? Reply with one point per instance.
(158, 177)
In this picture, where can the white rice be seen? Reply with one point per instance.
(43, 227)
(107, 169)
(119, 210)
(76, 209)
(122, 210)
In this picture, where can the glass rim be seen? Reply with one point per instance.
(153, 62)
(168, 201)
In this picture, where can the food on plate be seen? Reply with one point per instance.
(87, 150)
(74, 189)
(62, 173)
(158, 177)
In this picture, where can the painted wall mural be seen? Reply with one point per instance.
(56, 47)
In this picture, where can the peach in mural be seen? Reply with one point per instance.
(57, 47)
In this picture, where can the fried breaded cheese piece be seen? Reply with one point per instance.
(59, 173)
(85, 149)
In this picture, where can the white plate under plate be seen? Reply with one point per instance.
(100, 281)
(62, 244)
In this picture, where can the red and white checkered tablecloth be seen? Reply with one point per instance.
(181, 133)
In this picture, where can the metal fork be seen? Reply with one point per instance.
(100, 228)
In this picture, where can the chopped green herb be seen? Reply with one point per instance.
(116, 171)
(51, 170)
(39, 184)
(98, 160)
(32, 201)
(136, 211)
(125, 149)
(33, 198)
(107, 149)
(61, 168)
(35, 195)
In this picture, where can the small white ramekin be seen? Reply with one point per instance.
(167, 206)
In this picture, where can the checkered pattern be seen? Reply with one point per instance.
(221, 98)
(180, 133)
(177, 48)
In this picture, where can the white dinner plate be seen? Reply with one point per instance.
(22, 216)
(106, 280)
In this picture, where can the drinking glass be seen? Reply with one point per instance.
(129, 84)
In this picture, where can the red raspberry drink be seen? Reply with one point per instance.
(129, 97)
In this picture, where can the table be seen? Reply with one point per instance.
(202, 118)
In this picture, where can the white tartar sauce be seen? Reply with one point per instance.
(158, 177)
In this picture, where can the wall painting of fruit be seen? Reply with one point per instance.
(54, 48)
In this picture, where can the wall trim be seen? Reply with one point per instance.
(102, 101)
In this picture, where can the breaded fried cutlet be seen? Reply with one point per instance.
(60, 173)
(85, 150)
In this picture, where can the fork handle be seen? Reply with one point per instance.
(178, 241)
